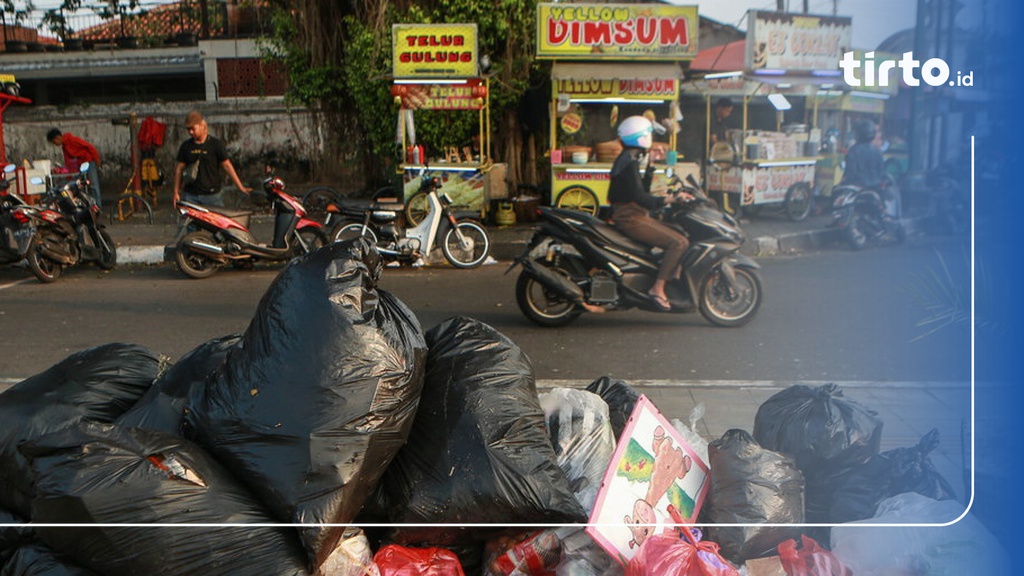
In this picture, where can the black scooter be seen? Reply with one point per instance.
(577, 262)
(866, 215)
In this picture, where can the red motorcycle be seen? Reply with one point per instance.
(213, 237)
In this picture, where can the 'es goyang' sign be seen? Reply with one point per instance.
(796, 42)
(617, 31)
(434, 50)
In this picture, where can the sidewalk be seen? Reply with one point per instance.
(767, 234)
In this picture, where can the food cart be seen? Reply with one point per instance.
(436, 68)
(592, 90)
(788, 58)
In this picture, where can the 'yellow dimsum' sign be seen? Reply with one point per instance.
(617, 31)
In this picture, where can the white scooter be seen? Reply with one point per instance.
(463, 240)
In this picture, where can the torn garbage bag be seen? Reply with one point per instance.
(751, 485)
(319, 395)
(105, 474)
(98, 384)
(479, 451)
(164, 404)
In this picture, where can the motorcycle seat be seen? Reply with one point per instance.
(240, 216)
(612, 235)
(361, 205)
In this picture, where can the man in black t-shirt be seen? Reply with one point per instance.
(202, 158)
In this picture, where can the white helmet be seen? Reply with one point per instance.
(635, 132)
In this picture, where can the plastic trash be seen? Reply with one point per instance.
(621, 399)
(119, 477)
(810, 559)
(751, 485)
(164, 404)
(35, 559)
(689, 431)
(352, 557)
(581, 435)
(479, 451)
(317, 398)
(394, 560)
(679, 553)
(530, 554)
(888, 474)
(965, 547)
(98, 384)
(11, 535)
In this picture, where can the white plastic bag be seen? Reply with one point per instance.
(581, 434)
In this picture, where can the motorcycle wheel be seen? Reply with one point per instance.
(543, 307)
(467, 245)
(43, 268)
(798, 201)
(308, 240)
(315, 201)
(730, 308)
(856, 236)
(416, 209)
(351, 231)
(195, 264)
(108, 252)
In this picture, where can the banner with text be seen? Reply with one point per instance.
(796, 42)
(434, 50)
(617, 31)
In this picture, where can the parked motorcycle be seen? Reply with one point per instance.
(210, 237)
(464, 242)
(949, 189)
(576, 261)
(16, 228)
(868, 215)
(76, 202)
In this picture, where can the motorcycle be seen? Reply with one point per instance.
(76, 202)
(210, 238)
(16, 229)
(464, 242)
(866, 214)
(576, 262)
(950, 189)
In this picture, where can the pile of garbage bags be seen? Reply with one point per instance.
(336, 437)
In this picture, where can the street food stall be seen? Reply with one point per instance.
(436, 69)
(771, 159)
(593, 89)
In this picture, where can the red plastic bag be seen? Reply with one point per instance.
(810, 560)
(394, 560)
(537, 554)
(679, 553)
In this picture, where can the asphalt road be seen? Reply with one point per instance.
(829, 315)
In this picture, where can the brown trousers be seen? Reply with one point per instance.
(634, 221)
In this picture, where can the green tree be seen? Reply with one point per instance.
(338, 55)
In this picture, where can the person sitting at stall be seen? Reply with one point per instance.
(720, 121)
(631, 200)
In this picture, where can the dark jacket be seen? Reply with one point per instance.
(628, 186)
(864, 166)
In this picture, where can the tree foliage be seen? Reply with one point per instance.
(339, 59)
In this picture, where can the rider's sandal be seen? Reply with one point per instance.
(661, 301)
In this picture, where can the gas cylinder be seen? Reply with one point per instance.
(506, 214)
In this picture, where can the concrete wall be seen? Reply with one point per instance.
(250, 128)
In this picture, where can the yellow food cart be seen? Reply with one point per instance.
(593, 88)
(436, 68)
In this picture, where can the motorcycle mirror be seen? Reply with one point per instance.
(669, 173)
(84, 167)
(35, 180)
(10, 168)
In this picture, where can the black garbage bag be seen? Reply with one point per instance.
(36, 559)
(13, 533)
(105, 474)
(751, 485)
(857, 494)
(621, 399)
(98, 384)
(819, 427)
(163, 406)
(479, 451)
(317, 398)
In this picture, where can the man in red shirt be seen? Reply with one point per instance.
(76, 151)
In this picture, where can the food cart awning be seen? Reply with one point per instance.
(724, 58)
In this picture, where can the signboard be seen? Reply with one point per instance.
(466, 96)
(617, 31)
(619, 89)
(434, 50)
(762, 185)
(652, 469)
(782, 42)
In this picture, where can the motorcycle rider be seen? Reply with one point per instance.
(866, 168)
(631, 200)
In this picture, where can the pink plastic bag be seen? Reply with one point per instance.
(679, 553)
(810, 560)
